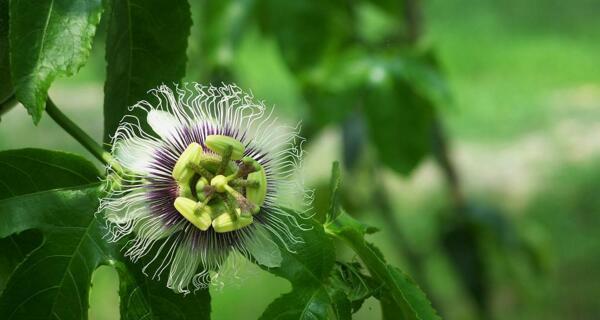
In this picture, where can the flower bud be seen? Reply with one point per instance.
(226, 223)
(192, 154)
(189, 210)
(221, 145)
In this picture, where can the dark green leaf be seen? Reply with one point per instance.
(145, 47)
(48, 38)
(305, 30)
(5, 81)
(407, 297)
(216, 33)
(14, 249)
(58, 273)
(350, 278)
(143, 298)
(308, 268)
(53, 281)
(30, 170)
(399, 120)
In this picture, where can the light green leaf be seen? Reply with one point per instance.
(334, 189)
(263, 249)
(145, 47)
(48, 38)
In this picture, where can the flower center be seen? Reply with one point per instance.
(222, 189)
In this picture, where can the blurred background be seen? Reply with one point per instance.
(469, 133)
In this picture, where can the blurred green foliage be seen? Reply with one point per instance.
(509, 67)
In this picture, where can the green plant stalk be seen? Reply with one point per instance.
(8, 104)
(83, 138)
(352, 232)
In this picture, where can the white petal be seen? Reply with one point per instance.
(153, 228)
(264, 249)
(128, 207)
(184, 267)
(135, 154)
(162, 122)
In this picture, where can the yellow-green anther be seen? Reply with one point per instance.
(226, 223)
(202, 182)
(192, 154)
(184, 190)
(256, 190)
(219, 182)
(253, 164)
(188, 209)
(222, 144)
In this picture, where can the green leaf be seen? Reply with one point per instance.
(145, 47)
(308, 268)
(143, 298)
(48, 38)
(399, 121)
(53, 281)
(14, 249)
(30, 170)
(218, 28)
(6, 88)
(57, 274)
(407, 297)
(306, 30)
(350, 278)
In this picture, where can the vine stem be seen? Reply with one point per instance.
(81, 136)
(8, 104)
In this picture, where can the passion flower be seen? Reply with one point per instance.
(208, 184)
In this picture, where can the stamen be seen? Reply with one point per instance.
(188, 209)
(182, 171)
(200, 170)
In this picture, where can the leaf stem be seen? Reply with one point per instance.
(81, 136)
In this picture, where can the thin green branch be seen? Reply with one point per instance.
(83, 138)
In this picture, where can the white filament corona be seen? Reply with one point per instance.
(141, 209)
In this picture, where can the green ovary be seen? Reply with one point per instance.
(215, 190)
